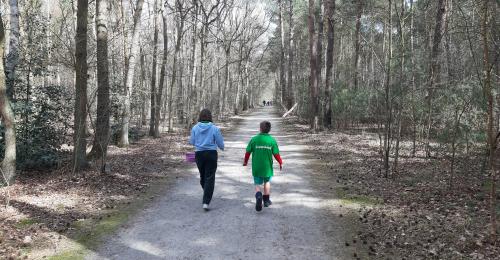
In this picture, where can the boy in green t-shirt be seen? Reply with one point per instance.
(264, 147)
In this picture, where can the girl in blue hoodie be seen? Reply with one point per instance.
(206, 137)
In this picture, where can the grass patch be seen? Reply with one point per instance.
(350, 199)
(77, 254)
(24, 223)
(90, 232)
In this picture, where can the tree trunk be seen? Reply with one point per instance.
(13, 56)
(129, 81)
(227, 50)
(282, 53)
(8, 121)
(434, 70)
(162, 74)
(330, 12)
(81, 70)
(192, 92)
(319, 55)
(289, 90)
(413, 83)
(101, 139)
(313, 63)
(492, 141)
(357, 43)
(388, 98)
(154, 106)
(180, 28)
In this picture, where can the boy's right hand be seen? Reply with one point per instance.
(245, 164)
(281, 167)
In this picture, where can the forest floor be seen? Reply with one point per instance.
(414, 214)
(52, 212)
(302, 223)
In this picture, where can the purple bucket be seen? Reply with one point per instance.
(190, 157)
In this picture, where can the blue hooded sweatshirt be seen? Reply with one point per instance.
(206, 136)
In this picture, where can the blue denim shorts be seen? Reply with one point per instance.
(261, 180)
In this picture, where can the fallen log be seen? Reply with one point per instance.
(290, 111)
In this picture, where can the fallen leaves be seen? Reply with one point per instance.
(414, 215)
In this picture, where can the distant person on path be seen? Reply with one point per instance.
(263, 147)
(264, 103)
(206, 137)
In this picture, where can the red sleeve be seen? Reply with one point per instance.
(278, 158)
(247, 156)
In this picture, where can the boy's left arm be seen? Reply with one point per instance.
(278, 159)
(276, 154)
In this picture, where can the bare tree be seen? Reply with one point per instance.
(129, 80)
(81, 71)
(101, 139)
(13, 55)
(181, 14)
(159, 95)
(289, 89)
(490, 133)
(357, 42)
(282, 53)
(313, 63)
(8, 121)
(434, 69)
(330, 12)
(154, 106)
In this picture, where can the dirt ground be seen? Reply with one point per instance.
(302, 223)
(413, 214)
(46, 213)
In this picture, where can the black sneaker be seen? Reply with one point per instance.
(258, 201)
(267, 203)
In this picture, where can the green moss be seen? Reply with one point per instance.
(349, 199)
(23, 223)
(91, 231)
(77, 254)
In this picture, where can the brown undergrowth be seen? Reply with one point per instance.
(415, 213)
(47, 213)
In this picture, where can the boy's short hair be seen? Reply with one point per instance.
(265, 127)
(205, 115)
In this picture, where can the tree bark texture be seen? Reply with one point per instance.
(289, 89)
(154, 106)
(357, 43)
(129, 81)
(81, 70)
(330, 12)
(8, 121)
(434, 68)
(13, 56)
(159, 95)
(313, 79)
(101, 139)
(282, 53)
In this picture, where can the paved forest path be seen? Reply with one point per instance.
(297, 226)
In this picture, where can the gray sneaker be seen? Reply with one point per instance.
(205, 207)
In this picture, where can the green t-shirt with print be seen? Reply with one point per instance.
(262, 147)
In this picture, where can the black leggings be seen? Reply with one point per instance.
(207, 165)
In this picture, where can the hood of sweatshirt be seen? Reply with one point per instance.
(204, 127)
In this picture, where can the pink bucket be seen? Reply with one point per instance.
(190, 157)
